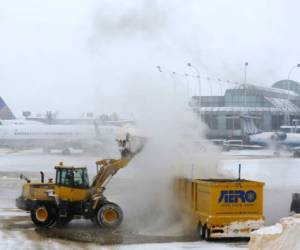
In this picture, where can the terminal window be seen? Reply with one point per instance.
(233, 123)
(277, 121)
(211, 121)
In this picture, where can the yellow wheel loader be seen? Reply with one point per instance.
(71, 196)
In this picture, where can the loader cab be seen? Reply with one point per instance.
(72, 177)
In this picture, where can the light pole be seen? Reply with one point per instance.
(199, 82)
(188, 84)
(221, 91)
(288, 83)
(172, 74)
(209, 83)
(245, 82)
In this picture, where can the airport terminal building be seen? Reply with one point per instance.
(248, 107)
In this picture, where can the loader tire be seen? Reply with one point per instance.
(94, 220)
(43, 215)
(109, 216)
(63, 222)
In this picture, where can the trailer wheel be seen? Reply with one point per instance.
(201, 232)
(43, 215)
(207, 233)
(109, 216)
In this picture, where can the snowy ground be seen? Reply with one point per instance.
(281, 175)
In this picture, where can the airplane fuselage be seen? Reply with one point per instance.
(267, 139)
(54, 136)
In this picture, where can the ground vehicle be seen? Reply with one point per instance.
(71, 195)
(220, 208)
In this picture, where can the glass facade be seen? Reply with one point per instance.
(211, 120)
(267, 106)
(237, 98)
(277, 121)
(233, 123)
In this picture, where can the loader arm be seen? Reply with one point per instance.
(107, 168)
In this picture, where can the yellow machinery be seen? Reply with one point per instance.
(220, 208)
(72, 196)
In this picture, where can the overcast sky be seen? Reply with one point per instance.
(79, 56)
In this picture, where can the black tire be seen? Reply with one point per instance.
(63, 222)
(109, 216)
(43, 215)
(94, 220)
(201, 232)
(206, 233)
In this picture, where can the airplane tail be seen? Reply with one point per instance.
(5, 112)
(248, 125)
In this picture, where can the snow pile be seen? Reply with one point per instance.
(271, 230)
(282, 236)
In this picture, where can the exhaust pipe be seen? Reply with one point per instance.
(42, 176)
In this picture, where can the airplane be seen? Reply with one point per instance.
(5, 112)
(79, 121)
(247, 127)
(27, 134)
(287, 138)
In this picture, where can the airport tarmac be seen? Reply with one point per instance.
(18, 232)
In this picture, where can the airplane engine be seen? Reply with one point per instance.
(278, 136)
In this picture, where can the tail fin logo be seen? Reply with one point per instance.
(5, 112)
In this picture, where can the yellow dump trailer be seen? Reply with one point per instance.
(222, 208)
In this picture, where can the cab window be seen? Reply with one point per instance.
(64, 177)
(81, 178)
(72, 178)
